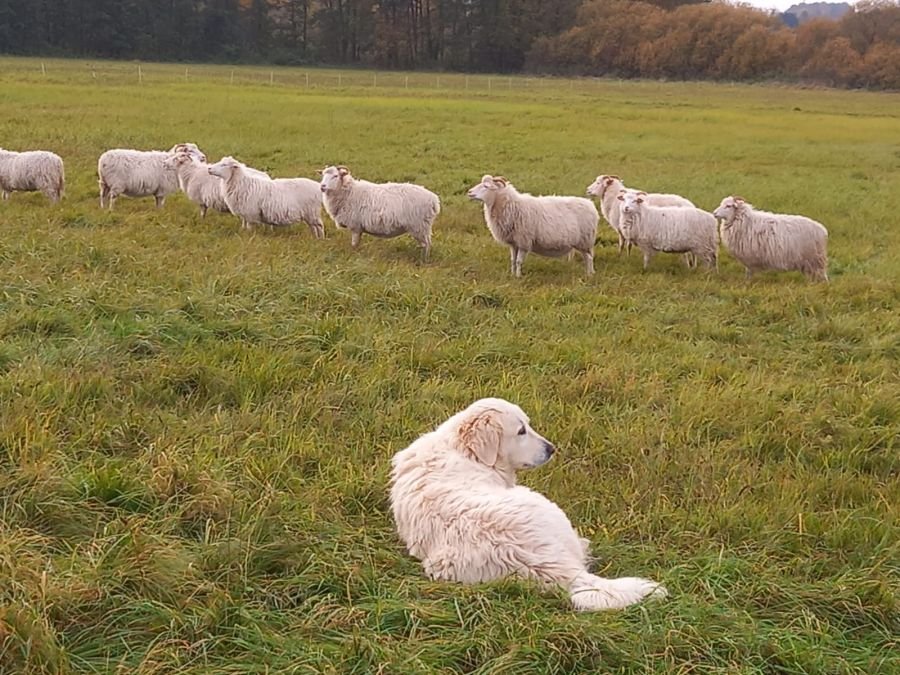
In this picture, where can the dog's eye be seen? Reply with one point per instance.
(522, 431)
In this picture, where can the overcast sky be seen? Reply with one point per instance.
(781, 5)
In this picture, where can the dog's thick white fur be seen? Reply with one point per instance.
(458, 509)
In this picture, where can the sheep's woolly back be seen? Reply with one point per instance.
(32, 171)
(762, 240)
(383, 209)
(256, 198)
(137, 173)
(549, 225)
(672, 229)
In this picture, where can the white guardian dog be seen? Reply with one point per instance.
(458, 509)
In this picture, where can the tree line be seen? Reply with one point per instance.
(627, 38)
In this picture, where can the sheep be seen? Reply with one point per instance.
(194, 179)
(256, 198)
(762, 240)
(138, 173)
(382, 210)
(549, 226)
(607, 189)
(671, 229)
(32, 171)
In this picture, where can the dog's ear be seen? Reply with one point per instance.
(480, 435)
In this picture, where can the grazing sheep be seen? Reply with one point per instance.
(32, 171)
(380, 209)
(670, 229)
(256, 198)
(607, 189)
(549, 226)
(762, 240)
(138, 173)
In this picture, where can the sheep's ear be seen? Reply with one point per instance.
(501, 181)
(319, 172)
(640, 200)
(480, 436)
(612, 178)
(738, 200)
(343, 171)
(621, 197)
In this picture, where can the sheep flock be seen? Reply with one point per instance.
(552, 226)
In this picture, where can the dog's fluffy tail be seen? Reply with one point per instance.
(591, 593)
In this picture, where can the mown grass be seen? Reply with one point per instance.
(196, 423)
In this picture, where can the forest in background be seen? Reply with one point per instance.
(658, 38)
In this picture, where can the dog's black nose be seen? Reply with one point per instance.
(549, 448)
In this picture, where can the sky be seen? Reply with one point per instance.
(782, 5)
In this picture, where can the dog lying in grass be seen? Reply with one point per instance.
(458, 509)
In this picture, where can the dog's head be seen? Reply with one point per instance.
(496, 433)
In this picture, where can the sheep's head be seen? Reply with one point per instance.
(603, 183)
(631, 201)
(728, 208)
(189, 148)
(224, 168)
(178, 159)
(334, 178)
(489, 187)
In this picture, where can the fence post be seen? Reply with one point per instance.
(407, 81)
(232, 76)
(438, 81)
(271, 77)
(467, 83)
(489, 84)
(185, 74)
(140, 75)
(307, 80)
(374, 79)
(43, 69)
(339, 79)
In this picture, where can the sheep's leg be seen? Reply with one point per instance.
(160, 200)
(318, 229)
(520, 260)
(513, 252)
(203, 211)
(5, 196)
(355, 236)
(425, 243)
(104, 193)
(749, 273)
(588, 257)
(111, 199)
(621, 243)
(648, 254)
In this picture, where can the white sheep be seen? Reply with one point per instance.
(382, 210)
(194, 179)
(761, 240)
(256, 198)
(549, 226)
(138, 173)
(607, 189)
(669, 229)
(32, 171)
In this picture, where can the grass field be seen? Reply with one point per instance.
(196, 423)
